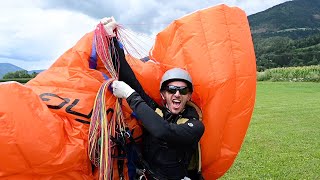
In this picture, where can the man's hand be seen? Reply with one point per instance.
(121, 89)
(109, 24)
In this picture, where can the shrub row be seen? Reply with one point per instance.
(20, 80)
(292, 74)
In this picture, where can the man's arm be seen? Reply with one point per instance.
(127, 75)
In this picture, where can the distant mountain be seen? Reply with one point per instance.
(7, 67)
(301, 15)
(35, 71)
(287, 34)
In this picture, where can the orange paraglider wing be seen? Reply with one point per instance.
(44, 124)
(215, 46)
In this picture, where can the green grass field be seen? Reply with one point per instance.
(283, 138)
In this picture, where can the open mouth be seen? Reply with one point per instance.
(176, 103)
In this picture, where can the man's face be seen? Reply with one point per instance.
(176, 95)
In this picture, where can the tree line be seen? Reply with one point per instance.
(279, 51)
(19, 74)
(271, 52)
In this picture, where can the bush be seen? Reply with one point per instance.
(20, 80)
(292, 74)
(262, 76)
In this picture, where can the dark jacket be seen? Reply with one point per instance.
(168, 146)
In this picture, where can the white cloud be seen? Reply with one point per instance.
(37, 36)
(34, 33)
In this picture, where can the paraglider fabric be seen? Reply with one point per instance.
(44, 124)
(214, 45)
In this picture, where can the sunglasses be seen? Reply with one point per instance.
(174, 89)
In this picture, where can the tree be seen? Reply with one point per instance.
(34, 74)
(17, 74)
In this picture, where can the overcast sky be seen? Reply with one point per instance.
(34, 33)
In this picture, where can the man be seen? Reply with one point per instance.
(172, 131)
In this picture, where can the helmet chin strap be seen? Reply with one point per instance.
(164, 104)
(163, 101)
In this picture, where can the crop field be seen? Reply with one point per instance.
(20, 80)
(283, 138)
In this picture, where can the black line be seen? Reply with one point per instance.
(82, 121)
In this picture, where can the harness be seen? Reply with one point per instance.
(146, 168)
(195, 162)
(122, 139)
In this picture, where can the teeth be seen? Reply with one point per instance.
(176, 101)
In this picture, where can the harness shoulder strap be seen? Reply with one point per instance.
(196, 158)
(197, 108)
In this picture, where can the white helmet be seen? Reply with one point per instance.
(176, 74)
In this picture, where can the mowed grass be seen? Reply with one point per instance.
(283, 138)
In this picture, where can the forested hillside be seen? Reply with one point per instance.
(287, 34)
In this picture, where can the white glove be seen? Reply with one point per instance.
(109, 24)
(121, 89)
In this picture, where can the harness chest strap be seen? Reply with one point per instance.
(182, 121)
